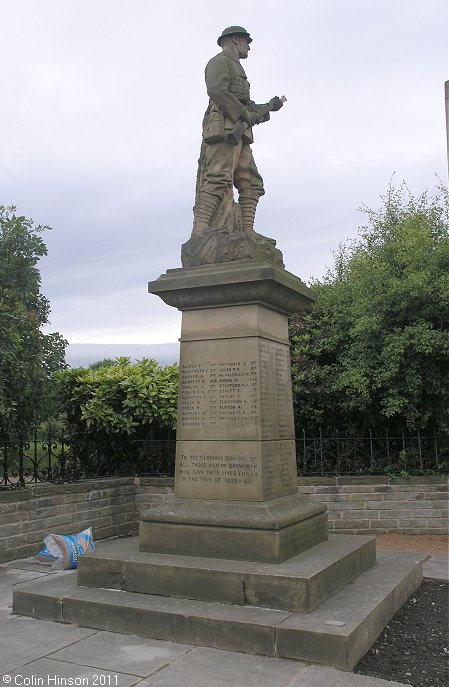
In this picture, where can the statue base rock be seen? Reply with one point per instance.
(218, 246)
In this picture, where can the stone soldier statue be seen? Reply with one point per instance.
(226, 158)
(223, 229)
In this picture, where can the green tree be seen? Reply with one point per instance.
(373, 351)
(28, 357)
(105, 362)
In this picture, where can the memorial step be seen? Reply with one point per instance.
(337, 634)
(299, 584)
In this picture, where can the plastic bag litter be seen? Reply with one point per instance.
(66, 549)
(44, 556)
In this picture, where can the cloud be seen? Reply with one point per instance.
(101, 113)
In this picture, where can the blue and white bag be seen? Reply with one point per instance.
(66, 549)
(44, 556)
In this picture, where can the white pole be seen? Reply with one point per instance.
(446, 94)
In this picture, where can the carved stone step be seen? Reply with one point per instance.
(299, 584)
(337, 634)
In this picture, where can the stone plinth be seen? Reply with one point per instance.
(235, 434)
(266, 531)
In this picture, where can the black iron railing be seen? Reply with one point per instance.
(375, 453)
(36, 460)
(62, 458)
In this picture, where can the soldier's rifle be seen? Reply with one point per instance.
(234, 136)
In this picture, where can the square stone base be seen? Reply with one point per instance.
(268, 532)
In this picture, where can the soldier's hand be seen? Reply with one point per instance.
(276, 103)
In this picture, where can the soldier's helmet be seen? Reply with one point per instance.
(234, 31)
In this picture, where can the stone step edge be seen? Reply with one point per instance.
(277, 586)
(235, 628)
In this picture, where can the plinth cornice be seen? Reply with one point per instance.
(233, 283)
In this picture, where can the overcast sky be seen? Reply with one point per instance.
(101, 105)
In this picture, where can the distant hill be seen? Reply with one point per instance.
(82, 355)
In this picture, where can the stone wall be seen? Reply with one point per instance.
(374, 505)
(112, 507)
(28, 515)
(356, 504)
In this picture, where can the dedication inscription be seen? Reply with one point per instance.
(233, 472)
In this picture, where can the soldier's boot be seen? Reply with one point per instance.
(248, 207)
(203, 212)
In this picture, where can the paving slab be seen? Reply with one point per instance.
(9, 577)
(317, 676)
(122, 653)
(214, 668)
(26, 639)
(30, 564)
(61, 673)
(5, 617)
(436, 568)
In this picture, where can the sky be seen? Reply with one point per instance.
(100, 124)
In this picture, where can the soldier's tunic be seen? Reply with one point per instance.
(225, 164)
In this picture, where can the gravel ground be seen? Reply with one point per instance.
(434, 544)
(414, 647)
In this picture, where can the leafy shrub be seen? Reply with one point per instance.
(112, 412)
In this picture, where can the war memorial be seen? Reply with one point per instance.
(236, 559)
